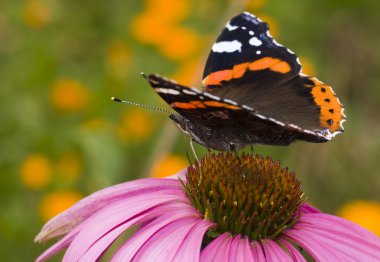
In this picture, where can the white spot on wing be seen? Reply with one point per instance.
(251, 15)
(227, 47)
(167, 91)
(243, 27)
(276, 43)
(230, 101)
(251, 32)
(247, 107)
(258, 52)
(275, 121)
(255, 41)
(188, 92)
(231, 27)
(299, 62)
(212, 96)
(290, 51)
(294, 126)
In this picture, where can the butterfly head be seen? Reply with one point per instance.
(188, 128)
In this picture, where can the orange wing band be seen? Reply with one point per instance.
(199, 104)
(237, 71)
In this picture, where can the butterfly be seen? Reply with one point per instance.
(254, 92)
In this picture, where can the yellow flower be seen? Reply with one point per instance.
(36, 13)
(35, 172)
(56, 202)
(149, 30)
(118, 58)
(168, 10)
(69, 95)
(158, 25)
(363, 212)
(135, 124)
(168, 165)
(181, 43)
(307, 66)
(69, 166)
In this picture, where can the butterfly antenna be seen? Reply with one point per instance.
(141, 105)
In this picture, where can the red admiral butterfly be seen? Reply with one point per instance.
(254, 93)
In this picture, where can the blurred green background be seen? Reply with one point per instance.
(61, 137)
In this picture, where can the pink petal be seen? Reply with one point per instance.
(164, 244)
(319, 250)
(257, 252)
(60, 245)
(234, 248)
(334, 236)
(191, 246)
(307, 208)
(273, 252)
(100, 246)
(134, 243)
(116, 213)
(68, 219)
(246, 250)
(240, 250)
(344, 236)
(293, 252)
(217, 249)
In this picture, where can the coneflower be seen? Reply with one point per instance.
(225, 208)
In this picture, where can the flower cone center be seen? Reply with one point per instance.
(247, 194)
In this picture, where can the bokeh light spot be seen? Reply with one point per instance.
(56, 202)
(169, 10)
(69, 95)
(36, 172)
(168, 165)
(36, 13)
(307, 66)
(363, 212)
(135, 124)
(181, 43)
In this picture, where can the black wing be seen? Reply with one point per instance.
(246, 51)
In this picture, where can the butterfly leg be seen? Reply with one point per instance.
(251, 146)
(192, 149)
(195, 155)
(234, 149)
